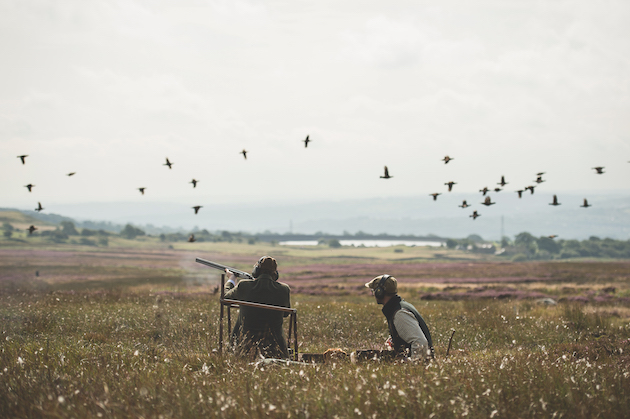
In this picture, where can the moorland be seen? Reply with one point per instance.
(131, 329)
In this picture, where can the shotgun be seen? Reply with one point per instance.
(239, 274)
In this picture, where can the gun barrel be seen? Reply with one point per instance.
(220, 267)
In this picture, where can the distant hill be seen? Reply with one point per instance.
(21, 220)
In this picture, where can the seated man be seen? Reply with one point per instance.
(258, 330)
(409, 334)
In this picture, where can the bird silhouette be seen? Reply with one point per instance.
(555, 201)
(487, 202)
(586, 204)
(386, 175)
(599, 170)
(141, 190)
(244, 153)
(474, 215)
(484, 191)
(71, 174)
(553, 236)
(520, 193)
(446, 159)
(503, 182)
(450, 185)
(464, 204)
(435, 195)
(498, 189)
(191, 238)
(23, 157)
(29, 187)
(39, 207)
(306, 141)
(31, 229)
(196, 208)
(194, 182)
(540, 173)
(531, 189)
(539, 179)
(168, 163)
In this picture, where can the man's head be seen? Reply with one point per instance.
(266, 265)
(383, 287)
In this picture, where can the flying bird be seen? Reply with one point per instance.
(498, 189)
(29, 187)
(191, 238)
(39, 207)
(244, 153)
(599, 170)
(539, 179)
(484, 191)
(196, 208)
(464, 204)
(31, 229)
(306, 141)
(520, 193)
(487, 202)
(446, 159)
(555, 201)
(450, 185)
(168, 163)
(141, 190)
(22, 157)
(540, 173)
(586, 204)
(503, 182)
(474, 215)
(386, 175)
(71, 174)
(531, 189)
(435, 195)
(194, 182)
(553, 236)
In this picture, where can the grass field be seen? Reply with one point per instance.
(131, 330)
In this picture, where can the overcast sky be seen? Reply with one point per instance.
(109, 89)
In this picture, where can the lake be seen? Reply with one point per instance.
(367, 243)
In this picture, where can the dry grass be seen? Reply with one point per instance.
(133, 332)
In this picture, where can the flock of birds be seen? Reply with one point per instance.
(488, 201)
(386, 175)
(168, 163)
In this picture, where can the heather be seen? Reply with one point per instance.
(134, 332)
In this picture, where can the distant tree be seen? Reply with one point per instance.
(475, 238)
(334, 243)
(86, 232)
(451, 244)
(8, 230)
(131, 232)
(68, 228)
(549, 245)
(505, 241)
(524, 239)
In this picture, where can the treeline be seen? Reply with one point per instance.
(527, 247)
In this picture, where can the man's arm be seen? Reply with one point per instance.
(230, 285)
(409, 330)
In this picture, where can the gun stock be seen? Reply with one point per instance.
(215, 265)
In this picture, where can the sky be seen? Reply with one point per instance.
(110, 88)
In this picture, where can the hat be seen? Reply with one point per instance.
(267, 264)
(391, 285)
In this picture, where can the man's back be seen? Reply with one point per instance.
(259, 328)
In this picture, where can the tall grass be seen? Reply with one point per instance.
(119, 354)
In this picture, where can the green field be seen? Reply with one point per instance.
(132, 330)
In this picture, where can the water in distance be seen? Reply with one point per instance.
(367, 243)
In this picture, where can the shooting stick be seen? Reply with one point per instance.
(235, 303)
(450, 341)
